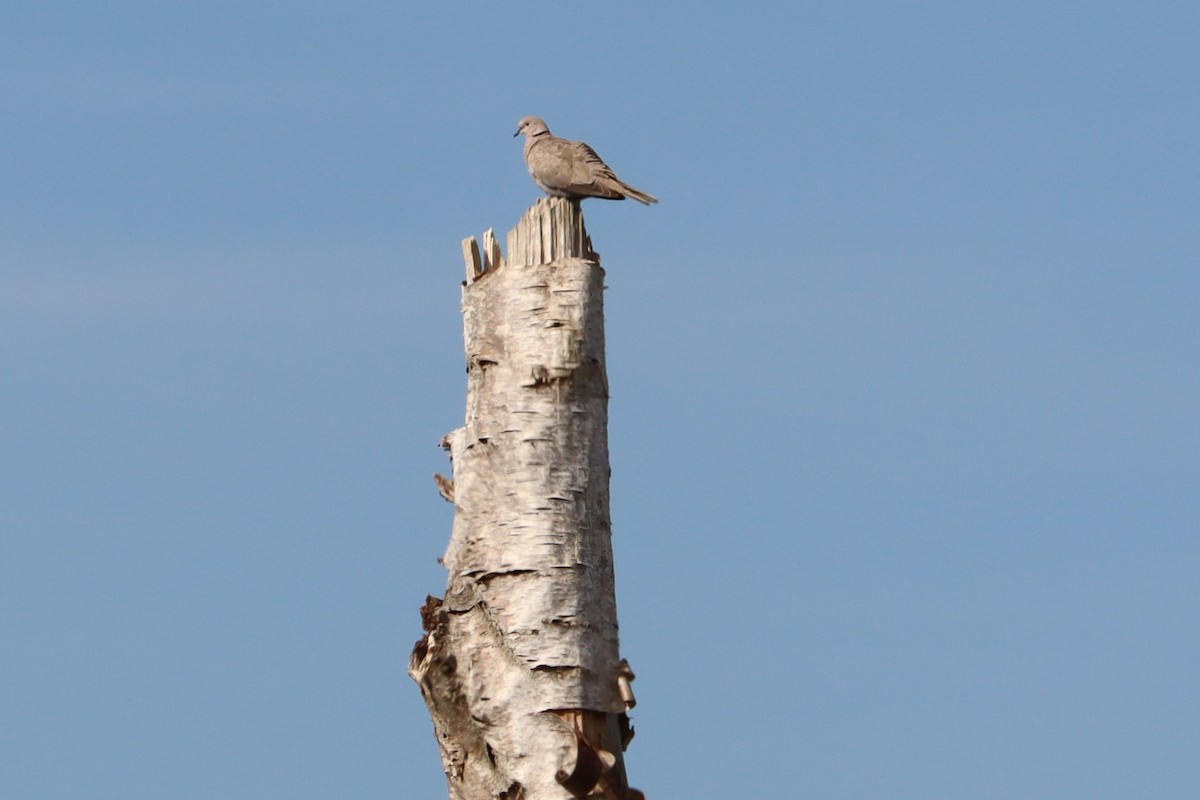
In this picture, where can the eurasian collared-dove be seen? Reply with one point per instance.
(571, 169)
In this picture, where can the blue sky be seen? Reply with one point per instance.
(905, 372)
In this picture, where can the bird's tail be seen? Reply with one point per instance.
(637, 194)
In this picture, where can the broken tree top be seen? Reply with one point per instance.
(564, 168)
(550, 232)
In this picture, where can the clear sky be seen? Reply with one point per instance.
(905, 375)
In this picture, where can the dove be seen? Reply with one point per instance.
(563, 168)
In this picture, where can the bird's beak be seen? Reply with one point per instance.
(518, 133)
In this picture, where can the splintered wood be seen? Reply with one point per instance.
(520, 664)
(551, 231)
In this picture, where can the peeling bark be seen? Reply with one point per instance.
(520, 664)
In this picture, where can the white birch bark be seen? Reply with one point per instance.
(520, 665)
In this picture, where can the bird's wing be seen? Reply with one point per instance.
(573, 168)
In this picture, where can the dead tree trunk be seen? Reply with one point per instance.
(519, 664)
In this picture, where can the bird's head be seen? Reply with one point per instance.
(531, 126)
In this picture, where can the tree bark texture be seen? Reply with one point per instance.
(519, 663)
